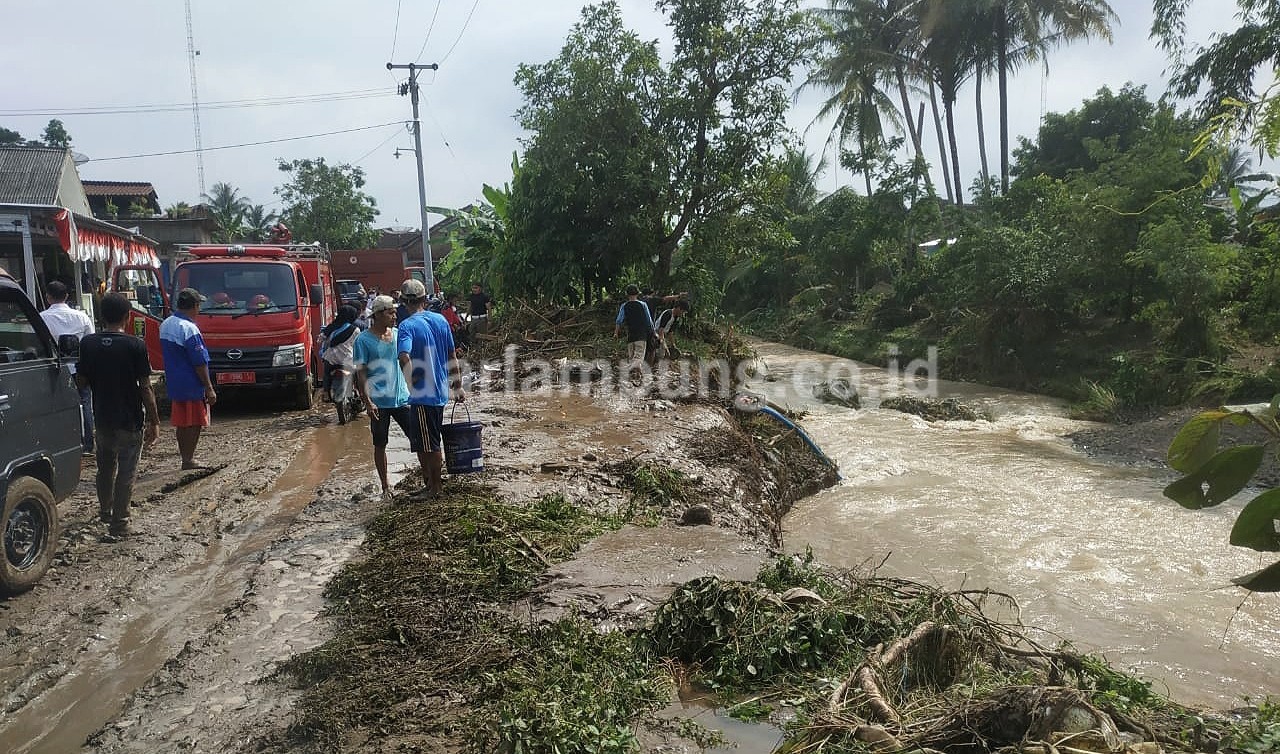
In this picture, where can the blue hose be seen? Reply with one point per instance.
(808, 440)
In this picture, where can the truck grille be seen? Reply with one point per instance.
(251, 358)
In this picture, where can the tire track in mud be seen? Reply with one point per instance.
(113, 614)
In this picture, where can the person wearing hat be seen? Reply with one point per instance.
(425, 352)
(383, 387)
(186, 374)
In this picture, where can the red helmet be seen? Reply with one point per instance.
(222, 298)
(260, 301)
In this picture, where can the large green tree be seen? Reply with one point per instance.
(585, 203)
(693, 139)
(324, 203)
(723, 108)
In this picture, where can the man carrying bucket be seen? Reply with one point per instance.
(426, 352)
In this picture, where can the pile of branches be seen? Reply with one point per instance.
(548, 332)
(919, 669)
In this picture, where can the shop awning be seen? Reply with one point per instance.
(92, 244)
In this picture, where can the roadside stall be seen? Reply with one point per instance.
(42, 243)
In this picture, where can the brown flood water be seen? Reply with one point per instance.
(1090, 549)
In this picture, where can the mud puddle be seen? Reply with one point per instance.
(154, 625)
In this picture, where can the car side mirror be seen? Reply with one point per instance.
(317, 294)
(68, 345)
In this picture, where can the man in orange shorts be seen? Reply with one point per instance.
(186, 374)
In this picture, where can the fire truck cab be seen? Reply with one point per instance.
(262, 312)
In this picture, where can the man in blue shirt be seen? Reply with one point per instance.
(426, 353)
(382, 383)
(186, 374)
(636, 320)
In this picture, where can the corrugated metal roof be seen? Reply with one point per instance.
(30, 175)
(118, 188)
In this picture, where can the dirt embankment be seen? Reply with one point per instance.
(1146, 442)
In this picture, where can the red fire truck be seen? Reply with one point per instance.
(263, 309)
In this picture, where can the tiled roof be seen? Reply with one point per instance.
(30, 175)
(118, 188)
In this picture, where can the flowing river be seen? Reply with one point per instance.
(1091, 550)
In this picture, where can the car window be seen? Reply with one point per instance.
(18, 338)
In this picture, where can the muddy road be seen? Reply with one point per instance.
(168, 641)
(205, 545)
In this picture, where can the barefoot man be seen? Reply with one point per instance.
(186, 374)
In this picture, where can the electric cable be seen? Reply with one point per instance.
(395, 35)
(246, 144)
(220, 105)
(462, 31)
(384, 142)
(431, 26)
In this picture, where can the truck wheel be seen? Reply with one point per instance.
(30, 522)
(303, 396)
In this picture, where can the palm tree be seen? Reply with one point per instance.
(228, 209)
(949, 56)
(258, 222)
(865, 55)
(1023, 30)
(802, 173)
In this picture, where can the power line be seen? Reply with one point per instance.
(298, 99)
(431, 26)
(462, 31)
(395, 35)
(246, 144)
(384, 142)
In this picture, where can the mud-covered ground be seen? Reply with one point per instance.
(1146, 442)
(168, 641)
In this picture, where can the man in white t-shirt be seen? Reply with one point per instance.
(63, 320)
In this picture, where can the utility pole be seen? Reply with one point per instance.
(411, 89)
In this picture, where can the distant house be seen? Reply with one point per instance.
(118, 200)
(47, 229)
(41, 175)
(409, 240)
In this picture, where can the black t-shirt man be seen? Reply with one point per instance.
(480, 300)
(114, 364)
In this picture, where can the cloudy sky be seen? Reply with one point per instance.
(130, 54)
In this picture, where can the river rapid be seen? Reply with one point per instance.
(1090, 549)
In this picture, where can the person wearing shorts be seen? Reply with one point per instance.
(426, 355)
(186, 375)
(383, 387)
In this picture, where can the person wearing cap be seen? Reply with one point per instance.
(635, 319)
(186, 374)
(425, 347)
(383, 386)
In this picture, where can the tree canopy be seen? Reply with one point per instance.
(630, 156)
(324, 203)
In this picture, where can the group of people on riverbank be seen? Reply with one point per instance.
(649, 339)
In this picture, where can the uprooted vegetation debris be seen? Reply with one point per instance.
(428, 658)
(932, 409)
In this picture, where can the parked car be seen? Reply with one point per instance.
(350, 292)
(40, 443)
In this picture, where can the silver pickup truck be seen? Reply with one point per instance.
(40, 443)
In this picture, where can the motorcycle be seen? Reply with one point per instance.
(345, 398)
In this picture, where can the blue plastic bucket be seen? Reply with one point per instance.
(462, 451)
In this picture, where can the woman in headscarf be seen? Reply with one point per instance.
(337, 344)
